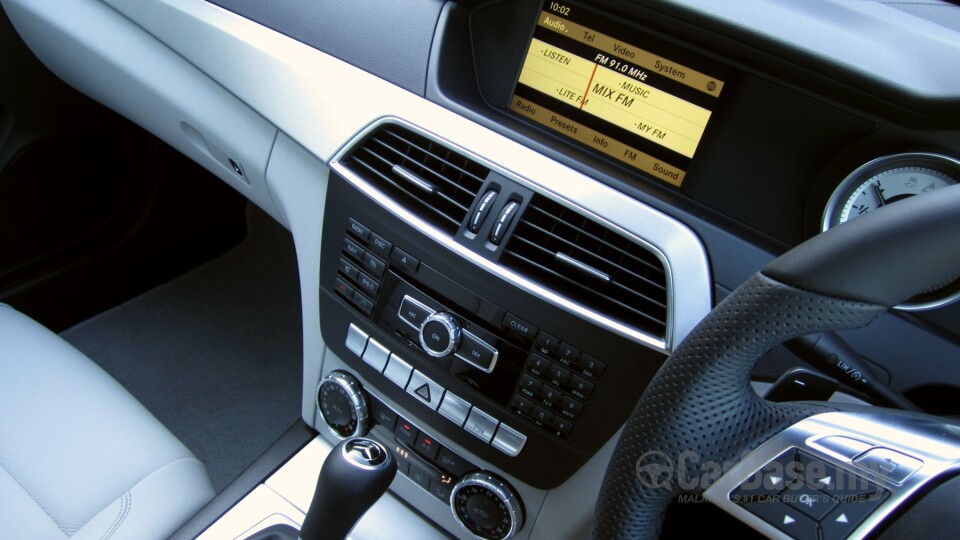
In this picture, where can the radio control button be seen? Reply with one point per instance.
(380, 245)
(376, 355)
(405, 260)
(398, 371)
(424, 389)
(569, 353)
(541, 414)
(440, 334)
(361, 231)
(356, 340)
(413, 312)
(550, 394)
(571, 407)
(368, 284)
(581, 387)
(364, 304)
(591, 366)
(530, 384)
(559, 375)
(562, 425)
(481, 425)
(520, 326)
(538, 365)
(509, 441)
(454, 408)
(477, 353)
(348, 268)
(343, 288)
(353, 249)
(523, 404)
(374, 265)
(548, 343)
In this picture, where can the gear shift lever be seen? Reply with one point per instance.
(355, 474)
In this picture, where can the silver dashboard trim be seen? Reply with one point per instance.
(669, 240)
(935, 444)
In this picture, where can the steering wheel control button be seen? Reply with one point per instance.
(454, 408)
(811, 502)
(519, 326)
(405, 260)
(413, 312)
(792, 522)
(846, 517)
(844, 447)
(509, 441)
(398, 371)
(486, 506)
(342, 405)
(440, 334)
(481, 425)
(477, 353)
(889, 465)
(376, 355)
(356, 340)
(358, 229)
(428, 392)
(483, 209)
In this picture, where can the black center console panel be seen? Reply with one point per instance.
(527, 386)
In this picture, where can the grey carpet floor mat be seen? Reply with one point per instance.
(216, 353)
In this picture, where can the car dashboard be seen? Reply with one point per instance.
(508, 214)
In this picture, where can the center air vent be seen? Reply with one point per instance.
(434, 182)
(590, 264)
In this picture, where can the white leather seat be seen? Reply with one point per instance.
(79, 456)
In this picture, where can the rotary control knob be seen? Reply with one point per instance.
(342, 405)
(440, 334)
(486, 506)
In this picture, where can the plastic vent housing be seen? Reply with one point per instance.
(590, 264)
(428, 178)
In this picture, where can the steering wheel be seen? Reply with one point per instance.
(701, 400)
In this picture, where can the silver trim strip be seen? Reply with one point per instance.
(936, 445)
(680, 251)
(567, 260)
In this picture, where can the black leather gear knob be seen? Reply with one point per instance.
(356, 473)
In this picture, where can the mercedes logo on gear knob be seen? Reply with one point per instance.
(365, 453)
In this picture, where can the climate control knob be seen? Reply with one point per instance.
(440, 334)
(342, 405)
(486, 506)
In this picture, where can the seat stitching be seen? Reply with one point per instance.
(126, 503)
(37, 501)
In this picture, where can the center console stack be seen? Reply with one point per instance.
(502, 316)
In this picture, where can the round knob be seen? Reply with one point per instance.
(342, 405)
(440, 334)
(486, 506)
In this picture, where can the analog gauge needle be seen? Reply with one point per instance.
(879, 192)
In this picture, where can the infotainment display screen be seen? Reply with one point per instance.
(622, 92)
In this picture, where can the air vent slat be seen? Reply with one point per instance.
(545, 255)
(579, 285)
(574, 255)
(432, 181)
(601, 263)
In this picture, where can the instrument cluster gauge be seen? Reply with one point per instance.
(887, 180)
